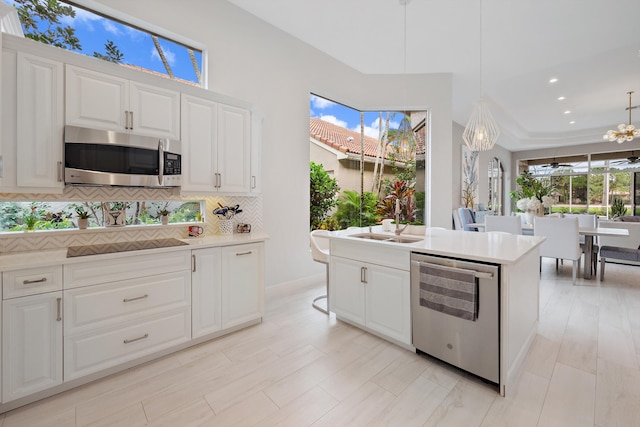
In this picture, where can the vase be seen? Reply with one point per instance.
(83, 223)
(225, 226)
(115, 218)
(528, 217)
(164, 219)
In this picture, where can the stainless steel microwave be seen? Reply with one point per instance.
(98, 157)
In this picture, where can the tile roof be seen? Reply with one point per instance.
(341, 139)
(348, 141)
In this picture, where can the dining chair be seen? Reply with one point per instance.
(510, 224)
(561, 240)
(319, 243)
(466, 217)
(588, 221)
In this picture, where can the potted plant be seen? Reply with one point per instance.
(532, 188)
(164, 216)
(83, 217)
(30, 219)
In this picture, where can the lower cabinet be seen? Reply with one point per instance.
(108, 324)
(372, 296)
(31, 344)
(227, 286)
(109, 312)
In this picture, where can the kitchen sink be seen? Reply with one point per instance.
(387, 238)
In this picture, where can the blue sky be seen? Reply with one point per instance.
(348, 118)
(93, 31)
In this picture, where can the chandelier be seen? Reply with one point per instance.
(625, 132)
(482, 131)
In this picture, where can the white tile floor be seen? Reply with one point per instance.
(300, 368)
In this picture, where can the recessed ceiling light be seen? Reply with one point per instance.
(561, 98)
(572, 122)
(568, 112)
(553, 80)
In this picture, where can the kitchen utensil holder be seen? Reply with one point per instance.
(225, 226)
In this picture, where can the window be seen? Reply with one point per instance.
(591, 183)
(95, 30)
(21, 216)
(373, 165)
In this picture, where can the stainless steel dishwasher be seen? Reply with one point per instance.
(472, 345)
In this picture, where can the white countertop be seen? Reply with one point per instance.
(32, 259)
(488, 247)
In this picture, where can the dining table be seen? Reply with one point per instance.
(588, 232)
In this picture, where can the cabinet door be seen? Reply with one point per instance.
(234, 149)
(206, 292)
(31, 344)
(387, 302)
(242, 284)
(154, 111)
(39, 123)
(199, 144)
(96, 100)
(347, 289)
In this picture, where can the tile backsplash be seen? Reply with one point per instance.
(45, 240)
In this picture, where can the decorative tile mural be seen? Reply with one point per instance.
(47, 240)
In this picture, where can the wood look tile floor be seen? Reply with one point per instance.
(302, 368)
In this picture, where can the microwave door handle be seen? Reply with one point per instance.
(160, 161)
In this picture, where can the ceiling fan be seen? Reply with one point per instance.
(555, 165)
(631, 160)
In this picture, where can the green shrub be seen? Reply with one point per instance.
(322, 194)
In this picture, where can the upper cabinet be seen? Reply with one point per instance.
(124, 105)
(32, 123)
(216, 147)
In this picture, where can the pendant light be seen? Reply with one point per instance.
(625, 132)
(482, 131)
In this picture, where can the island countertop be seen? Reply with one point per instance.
(487, 247)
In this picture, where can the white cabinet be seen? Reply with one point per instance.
(206, 289)
(31, 331)
(32, 123)
(228, 287)
(372, 296)
(32, 344)
(216, 147)
(125, 308)
(102, 101)
(242, 284)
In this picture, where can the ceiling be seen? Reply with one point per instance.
(591, 46)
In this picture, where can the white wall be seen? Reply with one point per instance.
(252, 60)
(484, 158)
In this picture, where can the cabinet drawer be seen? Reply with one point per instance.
(107, 347)
(126, 267)
(33, 281)
(103, 305)
(387, 255)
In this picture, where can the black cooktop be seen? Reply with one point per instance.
(108, 248)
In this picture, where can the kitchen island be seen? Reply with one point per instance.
(369, 284)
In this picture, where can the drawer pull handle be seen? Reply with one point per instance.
(136, 339)
(30, 282)
(136, 298)
(244, 253)
(59, 304)
(363, 274)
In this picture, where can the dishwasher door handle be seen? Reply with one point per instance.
(478, 274)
